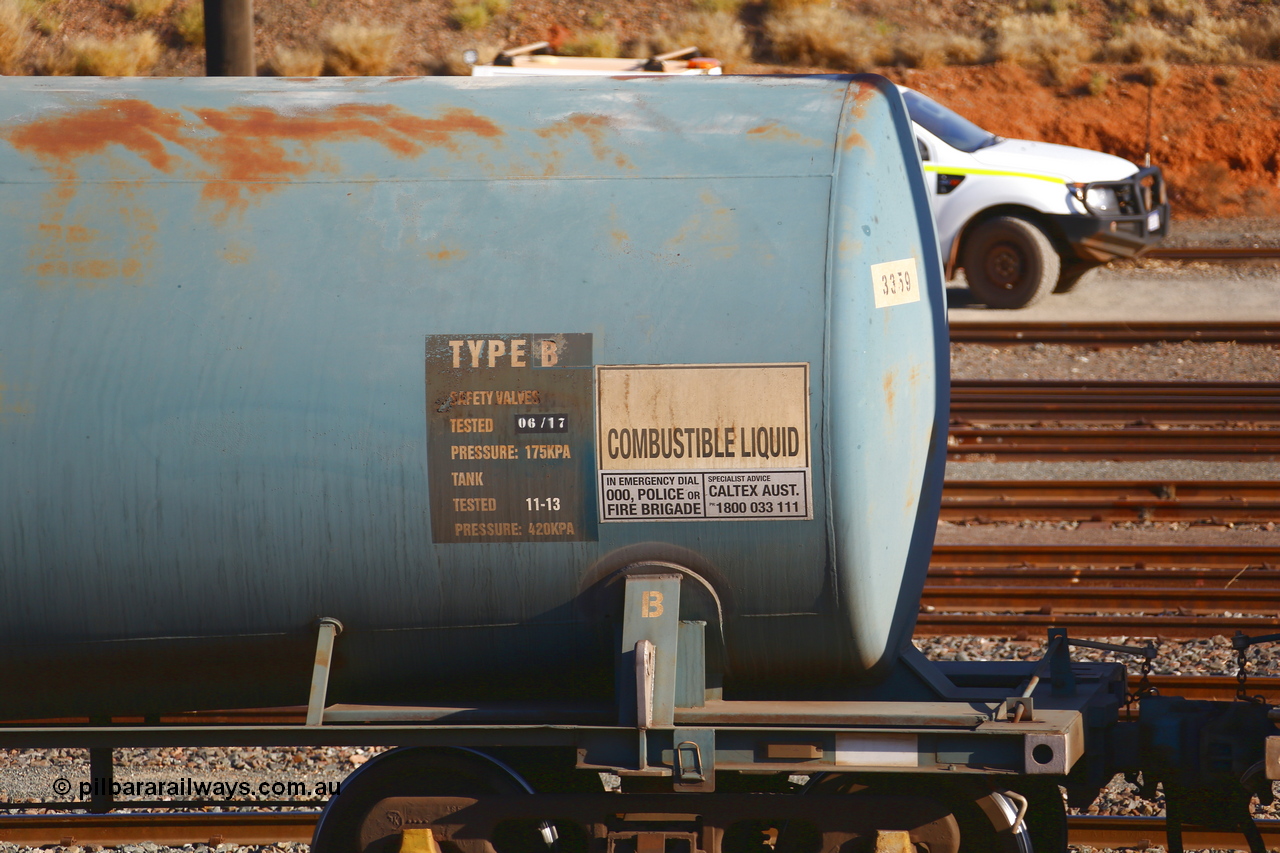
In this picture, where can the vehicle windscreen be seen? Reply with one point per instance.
(955, 130)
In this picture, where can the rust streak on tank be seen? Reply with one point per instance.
(855, 140)
(136, 125)
(592, 127)
(777, 133)
(247, 144)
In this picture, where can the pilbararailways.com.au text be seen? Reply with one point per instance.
(189, 788)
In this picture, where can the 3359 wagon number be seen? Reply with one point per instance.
(896, 282)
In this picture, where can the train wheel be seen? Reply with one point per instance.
(409, 772)
(986, 817)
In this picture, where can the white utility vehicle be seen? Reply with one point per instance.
(1022, 219)
(1027, 218)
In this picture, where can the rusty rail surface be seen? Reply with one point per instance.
(167, 828)
(1031, 625)
(1040, 444)
(1172, 591)
(1264, 581)
(996, 402)
(268, 828)
(1216, 501)
(1184, 599)
(1135, 556)
(1213, 253)
(1112, 334)
(1139, 833)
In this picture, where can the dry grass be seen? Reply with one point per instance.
(1211, 41)
(1206, 41)
(147, 10)
(1139, 43)
(297, 62)
(779, 6)
(42, 14)
(477, 14)
(14, 36)
(1098, 83)
(730, 6)
(1261, 39)
(1056, 43)
(932, 49)
(355, 50)
(189, 22)
(127, 56)
(828, 37)
(1177, 10)
(1156, 72)
(717, 34)
(602, 43)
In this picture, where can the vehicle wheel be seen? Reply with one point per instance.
(1073, 273)
(1010, 263)
(408, 772)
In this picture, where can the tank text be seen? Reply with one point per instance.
(499, 353)
(484, 451)
(703, 443)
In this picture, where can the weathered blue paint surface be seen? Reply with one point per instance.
(212, 319)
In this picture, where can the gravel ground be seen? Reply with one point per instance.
(1157, 362)
(1147, 290)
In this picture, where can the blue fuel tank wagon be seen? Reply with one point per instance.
(538, 427)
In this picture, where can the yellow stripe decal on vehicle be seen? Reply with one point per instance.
(967, 170)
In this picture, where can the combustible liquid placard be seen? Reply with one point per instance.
(715, 442)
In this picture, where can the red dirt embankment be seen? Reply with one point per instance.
(1214, 130)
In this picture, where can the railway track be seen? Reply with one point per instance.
(1004, 402)
(1113, 334)
(1028, 625)
(1139, 443)
(169, 828)
(1101, 555)
(272, 827)
(1158, 420)
(1171, 591)
(1213, 253)
(1216, 501)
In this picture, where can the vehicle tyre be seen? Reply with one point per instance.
(1010, 263)
(1074, 273)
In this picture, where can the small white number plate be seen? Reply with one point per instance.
(895, 282)
(1153, 220)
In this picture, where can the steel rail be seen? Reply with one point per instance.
(1112, 334)
(1111, 500)
(1255, 579)
(174, 829)
(1213, 253)
(167, 828)
(1130, 599)
(1193, 555)
(1027, 625)
(1111, 831)
(989, 402)
(1034, 443)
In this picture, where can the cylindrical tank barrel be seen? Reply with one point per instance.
(439, 359)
